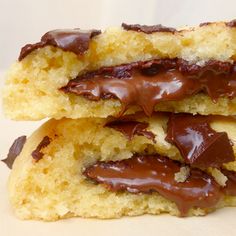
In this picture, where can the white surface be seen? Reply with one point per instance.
(23, 21)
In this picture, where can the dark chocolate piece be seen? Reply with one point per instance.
(14, 151)
(148, 29)
(230, 188)
(131, 128)
(198, 143)
(146, 174)
(232, 23)
(37, 154)
(75, 40)
(147, 83)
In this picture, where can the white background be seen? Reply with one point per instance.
(25, 21)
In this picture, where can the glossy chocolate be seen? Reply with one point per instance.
(130, 128)
(145, 84)
(146, 174)
(230, 188)
(198, 143)
(37, 154)
(14, 151)
(74, 40)
(148, 29)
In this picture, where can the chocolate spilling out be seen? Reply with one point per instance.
(230, 188)
(145, 84)
(74, 40)
(148, 29)
(131, 128)
(198, 143)
(37, 154)
(145, 174)
(14, 151)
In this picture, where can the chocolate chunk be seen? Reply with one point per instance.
(230, 188)
(131, 128)
(198, 143)
(231, 23)
(146, 174)
(75, 40)
(14, 151)
(148, 29)
(145, 84)
(37, 154)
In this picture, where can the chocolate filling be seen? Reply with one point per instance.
(148, 29)
(130, 128)
(145, 84)
(198, 143)
(14, 151)
(74, 40)
(37, 154)
(146, 174)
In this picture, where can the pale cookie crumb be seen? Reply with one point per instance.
(183, 174)
(218, 176)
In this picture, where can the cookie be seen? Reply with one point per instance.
(76, 74)
(134, 165)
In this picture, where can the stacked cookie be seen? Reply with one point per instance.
(142, 122)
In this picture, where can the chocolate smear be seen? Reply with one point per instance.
(148, 29)
(155, 173)
(37, 154)
(131, 128)
(73, 40)
(230, 188)
(198, 143)
(146, 84)
(15, 151)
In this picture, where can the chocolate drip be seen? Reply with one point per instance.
(198, 143)
(148, 29)
(14, 151)
(75, 40)
(230, 188)
(37, 154)
(147, 83)
(131, 128)
(145, 174)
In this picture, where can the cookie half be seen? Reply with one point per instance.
(76, 74)
(181, 164)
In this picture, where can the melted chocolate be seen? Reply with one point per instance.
(198, 143)
(37, 154)
(74, 40)
(230, 188)
(14, 151)
(131, 128)
(145, 174)
(231, 23)
(148, 29)
(147, 83)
